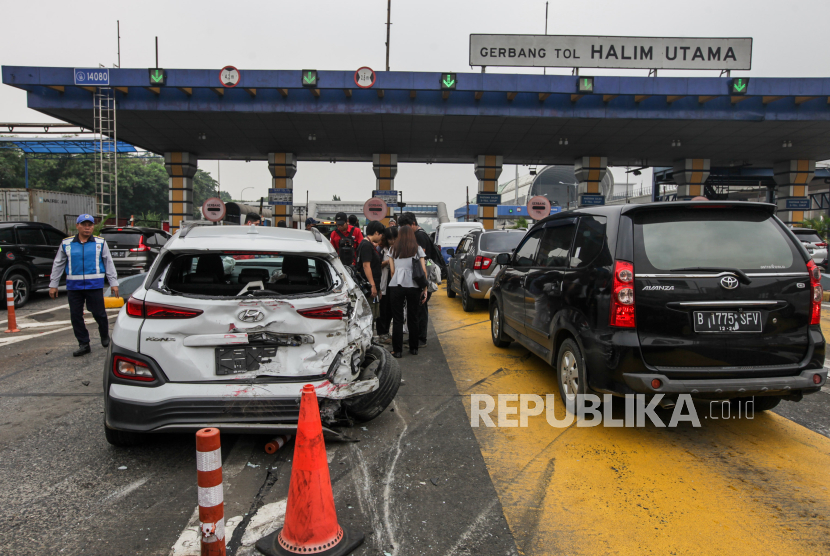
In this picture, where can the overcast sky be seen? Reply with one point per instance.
(790, 40)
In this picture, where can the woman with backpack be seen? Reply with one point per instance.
(408, 285)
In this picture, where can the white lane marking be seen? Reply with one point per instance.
(387, 495)
(265, 521)
(25, 315)
(125, 490)
(5, 341)
(368, 502)
(24, 324)
(474, 526)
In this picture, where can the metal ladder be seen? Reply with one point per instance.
(106, 164)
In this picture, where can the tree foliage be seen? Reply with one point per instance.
(821, 225)
(142, 182)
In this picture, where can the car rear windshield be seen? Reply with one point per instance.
(808, 237)
(500, 242)
(233, 274)
(121, 238)
(449, 237)
(712, 238)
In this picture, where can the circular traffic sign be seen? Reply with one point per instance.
(213, 209)
(229, 76)
(375, 209)
(538, 207)
(364, 77)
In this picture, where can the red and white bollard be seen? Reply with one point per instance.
(277, 443)
(10, 307)
(211, 497)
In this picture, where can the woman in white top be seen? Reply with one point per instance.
(385, 321)
(403, 289)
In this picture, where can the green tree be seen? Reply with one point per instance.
(821, 225)
(521, 222)
(335, 197)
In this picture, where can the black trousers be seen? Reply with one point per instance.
(423, 318)
(385, 320)
(412, 298)
(94, 300)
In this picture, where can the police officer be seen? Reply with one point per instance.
(87, 261)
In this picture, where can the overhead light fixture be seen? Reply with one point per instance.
(312, 136)
(563, 141)
(675, 143)
(533, 170)
(439, 138)
(786, 144)
(201, 136)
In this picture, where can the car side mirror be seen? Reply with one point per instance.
(503, 259)
(451, 252)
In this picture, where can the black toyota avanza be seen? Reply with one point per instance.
(714, 299)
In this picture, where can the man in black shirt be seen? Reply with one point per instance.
(408, 219)
(369, 262)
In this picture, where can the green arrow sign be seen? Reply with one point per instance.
(158, 77)
(739, 86)
(586, 85)
(309, 78)
(448, 81)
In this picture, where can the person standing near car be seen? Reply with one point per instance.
(87, 261)
(345, 239)
(384, 321)
(369, 263)
(408, 220)
(404, 289)
(253, 219)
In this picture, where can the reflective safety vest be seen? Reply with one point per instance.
(85, 268)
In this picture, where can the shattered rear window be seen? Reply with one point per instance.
(235, 274)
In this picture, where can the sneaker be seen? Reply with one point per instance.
(422, 343)
(105, 340)
(83, 349)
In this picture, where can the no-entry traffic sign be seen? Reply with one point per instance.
(213, 209)
(538, 207)
(229, 76)
(375, 209)
(364, 77)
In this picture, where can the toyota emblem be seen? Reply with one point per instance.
(729, 282)
(251, 315)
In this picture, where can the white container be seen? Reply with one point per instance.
(51, 207)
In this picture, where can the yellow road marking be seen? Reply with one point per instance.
(729, 487)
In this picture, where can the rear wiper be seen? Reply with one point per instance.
(736, 271)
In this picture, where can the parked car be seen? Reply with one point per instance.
(229, 325)
(326, 227)
(27, 251)
(472, 267)
(134, 249)
(448, 234)
(717, 300)
(816, 247)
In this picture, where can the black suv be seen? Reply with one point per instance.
(714, 299)
(27, 251)
(134, 249)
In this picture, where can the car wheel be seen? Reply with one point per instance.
(760, 403)
(467, 303)
(500, 339)
(122, 439)
(368, 406)
(22, 289)
(450, 291)
(570, 373)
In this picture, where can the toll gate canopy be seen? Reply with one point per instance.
(648, 121)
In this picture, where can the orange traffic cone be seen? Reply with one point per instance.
(310, 519)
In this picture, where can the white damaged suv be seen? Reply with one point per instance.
(229, 325)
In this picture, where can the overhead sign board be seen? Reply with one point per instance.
(569, 51)
(375, 209)
(591, 200)
(364, 77)
(213, 209)
(229, 76)
(389, 197)
(488, 199)
(280, 196)
(158, 77)
(92, 76)
(538, 207)
(798, 204)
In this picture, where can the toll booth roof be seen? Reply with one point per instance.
(62, 146)
(649, 121)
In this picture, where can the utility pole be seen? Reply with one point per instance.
(388, 28)
(157, 52)
(118, 23)
(545, 70)
(467, 217)
(516, 186)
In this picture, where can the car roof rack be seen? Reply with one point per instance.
(188, 225)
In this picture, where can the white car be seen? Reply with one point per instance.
(816, 247)
(229, 325)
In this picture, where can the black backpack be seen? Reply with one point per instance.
(346, 247)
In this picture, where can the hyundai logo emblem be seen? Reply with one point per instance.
(729, 282)
(251, 315)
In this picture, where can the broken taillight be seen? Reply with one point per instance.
(329, 312)
(622, 296)
(149, 310)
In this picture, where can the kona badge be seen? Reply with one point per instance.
(161, 339)
(729, 282)
(251, 315)
(657, 288)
